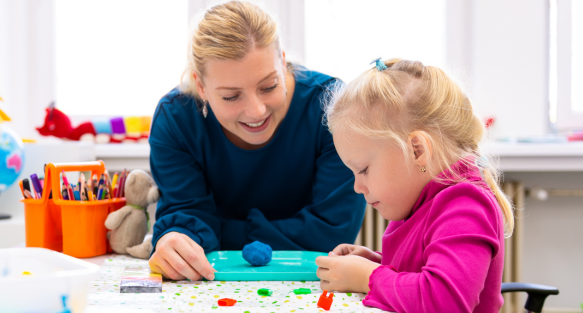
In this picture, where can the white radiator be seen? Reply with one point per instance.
(514, 302)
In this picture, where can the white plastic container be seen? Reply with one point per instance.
(43, 281)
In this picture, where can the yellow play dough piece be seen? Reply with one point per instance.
(26, 273)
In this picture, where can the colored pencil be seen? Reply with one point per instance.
(122, 191)
(121, 182)
(100, 189)
(26, 185)
(28, 195)
(83, 187)
(114, 181)
(21, 188)
(95, 184)
(67, 186)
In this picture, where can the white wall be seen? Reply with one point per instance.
(553, 238)
(499, 50)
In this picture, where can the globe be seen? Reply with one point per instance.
(11, 157)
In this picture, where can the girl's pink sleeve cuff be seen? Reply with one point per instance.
(380, 283)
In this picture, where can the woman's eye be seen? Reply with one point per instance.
(363, 171)
(268, 89)
(233, 98)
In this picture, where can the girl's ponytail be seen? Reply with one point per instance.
(492, 178)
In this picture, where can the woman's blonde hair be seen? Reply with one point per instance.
(408, 97)
(227, 32)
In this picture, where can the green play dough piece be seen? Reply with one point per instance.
(302, 291)
(264, 292)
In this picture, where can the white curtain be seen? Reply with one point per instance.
(27, 67)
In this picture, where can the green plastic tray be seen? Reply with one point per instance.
(284, 265)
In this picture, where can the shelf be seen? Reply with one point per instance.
(513, 157)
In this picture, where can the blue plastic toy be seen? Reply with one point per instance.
(257, 253)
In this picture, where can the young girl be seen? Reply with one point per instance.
(410, 137)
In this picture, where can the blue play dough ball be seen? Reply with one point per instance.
(257, 253)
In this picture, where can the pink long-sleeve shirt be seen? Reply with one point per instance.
(447, 256)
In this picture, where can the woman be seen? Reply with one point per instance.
(240, 152)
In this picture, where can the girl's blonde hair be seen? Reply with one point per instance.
(407, 97)
(227, 32)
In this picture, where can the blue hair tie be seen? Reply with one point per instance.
(379, 64)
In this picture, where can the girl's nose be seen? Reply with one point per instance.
(359, 187)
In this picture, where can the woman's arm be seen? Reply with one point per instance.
(186, 205)
(187, 223)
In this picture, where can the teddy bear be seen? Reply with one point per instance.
(128, 226)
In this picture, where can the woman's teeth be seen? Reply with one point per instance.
(256, 124)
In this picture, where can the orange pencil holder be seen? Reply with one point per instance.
(77, 228)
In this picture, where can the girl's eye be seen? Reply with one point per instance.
(363, 171)
(268, 89)
(233, 98)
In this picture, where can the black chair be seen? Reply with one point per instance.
(537, 294)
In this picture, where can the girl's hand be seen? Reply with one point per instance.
(349, 273)
(348, 249)
(178, 257)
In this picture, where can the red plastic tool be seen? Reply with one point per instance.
(227, 302)
(325, 302)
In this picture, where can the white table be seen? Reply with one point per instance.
(202, 296)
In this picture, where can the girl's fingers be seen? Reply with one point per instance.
(323, 261)
(325, 285)
(342, 249)
(323, 273)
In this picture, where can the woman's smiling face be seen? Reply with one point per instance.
(247, 96)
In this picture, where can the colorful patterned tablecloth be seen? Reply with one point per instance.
(203, 296)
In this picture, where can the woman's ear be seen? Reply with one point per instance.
(420, 145)
(199, 86)
(283, 63)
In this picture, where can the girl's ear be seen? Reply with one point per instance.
(199, 86)
(420, 145)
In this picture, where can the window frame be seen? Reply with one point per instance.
(566, 117)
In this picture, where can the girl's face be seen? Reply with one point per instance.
(248, 96)
(381, 173)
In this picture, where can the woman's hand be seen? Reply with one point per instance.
(348, 249)
(348, 273)
(178, 257)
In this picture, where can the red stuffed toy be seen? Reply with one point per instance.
(114, 130)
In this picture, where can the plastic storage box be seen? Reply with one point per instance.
(77, 228)
(43, 281)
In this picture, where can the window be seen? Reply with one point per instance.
(118, 57)
(343, 38)
(566, 63)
